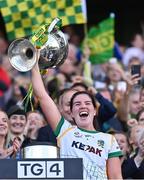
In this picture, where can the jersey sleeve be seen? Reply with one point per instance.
(62, 126)
(114, 150)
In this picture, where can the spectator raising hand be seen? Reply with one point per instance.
(129, 104)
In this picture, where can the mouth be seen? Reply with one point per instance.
(33, 124)
(2, 128)
(83, 114)
(17, 125)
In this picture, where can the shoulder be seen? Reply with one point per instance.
(105, 135)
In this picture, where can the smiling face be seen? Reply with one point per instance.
(134, 103)
(114, 73)
(3, 124)
(123, 142)
(17, 124)
(83, 111)
(36, 120)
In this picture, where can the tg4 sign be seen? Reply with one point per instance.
(40, 169)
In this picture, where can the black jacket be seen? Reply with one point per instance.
(130, 170)
(46, 134)
(106, 110)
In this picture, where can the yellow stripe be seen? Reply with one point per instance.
(63, 134)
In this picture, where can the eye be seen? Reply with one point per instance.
(22, 118)
(88, 103)
(122, 141)
(76, 104)
(13, 117)
(4, 119)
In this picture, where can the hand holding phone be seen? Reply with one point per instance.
(136, 69)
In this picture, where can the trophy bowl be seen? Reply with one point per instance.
(53, 49)
(54, 52)
(40, 150)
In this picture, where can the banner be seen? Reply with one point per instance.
(22, 17)
(100, 40)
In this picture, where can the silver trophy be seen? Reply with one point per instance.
(53, 47)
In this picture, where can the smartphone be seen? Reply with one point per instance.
(136, 69)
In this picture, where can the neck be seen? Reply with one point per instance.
(33, 134)
(89, 128)
(16, 134)
(2, 141)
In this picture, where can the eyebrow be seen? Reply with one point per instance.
(18, 115)
(80, 102)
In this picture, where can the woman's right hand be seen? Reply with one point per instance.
(132, 80)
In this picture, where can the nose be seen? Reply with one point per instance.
(33, 120)
(18, 120)
(83, 105)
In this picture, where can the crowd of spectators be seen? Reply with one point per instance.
(119, 99)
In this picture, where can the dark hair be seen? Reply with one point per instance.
(79, 93)
(61, 92)
(53, 87)
(16, 110)
(79, 84)
(139, 114)
(1, 110)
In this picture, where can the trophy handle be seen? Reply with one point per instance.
(55, 22)
(22, 54)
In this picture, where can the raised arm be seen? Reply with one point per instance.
(123, 108)
(106, 110)
(48, 106)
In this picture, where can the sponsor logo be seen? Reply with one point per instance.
(88, 148)
(77, 134)
(100, 143)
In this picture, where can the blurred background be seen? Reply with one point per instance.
(129, 18)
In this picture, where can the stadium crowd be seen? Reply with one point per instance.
(118, 101)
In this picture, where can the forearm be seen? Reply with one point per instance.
(114, 168)
(106, 103)
(37, 83)
(123, 109)
(106, 109)
(47, 104)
